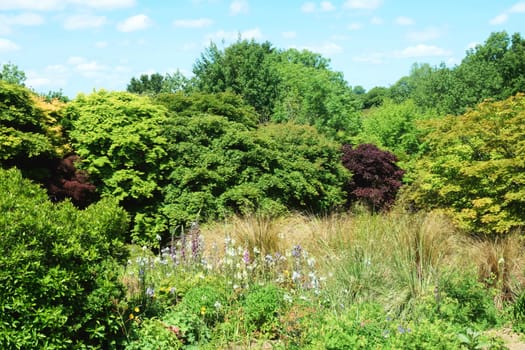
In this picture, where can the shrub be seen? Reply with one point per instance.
(262, 306)
(474, 167)
(376, 178)
(58, 269)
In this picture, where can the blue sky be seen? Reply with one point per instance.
(81, 45)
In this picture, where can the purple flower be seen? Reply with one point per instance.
(296, 251)
(246, 256)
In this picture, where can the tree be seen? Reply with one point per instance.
(29, 134)
(223, 165)
(146, 84)
(12, 74)
(312, 94)
(376, 178)
(393, 126)
(474, 167)
(156, 83)
(244, 68)
(121, 141)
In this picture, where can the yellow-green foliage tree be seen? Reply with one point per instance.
(475, 167)
(29, 134)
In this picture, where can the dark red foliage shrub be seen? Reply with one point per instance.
(68, 182)
(376, 178)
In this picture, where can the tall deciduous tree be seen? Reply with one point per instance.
(244, 68)
(12, 74)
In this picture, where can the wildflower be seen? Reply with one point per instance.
(295, 276)
(203, 310)
(150, 292)
(246, 257)
(158, 237)
(217, 305)
(287, 298)
(136, 309)
(296, 251)
(131, 316)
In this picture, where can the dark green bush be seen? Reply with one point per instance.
(58, 270)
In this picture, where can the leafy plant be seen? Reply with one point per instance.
(474, 167)
(376, 178)
(59, 270)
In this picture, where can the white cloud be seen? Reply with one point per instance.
(417, 51)
(327, 6)
(8, 45)
(193, 23)
(53, 76)
(134, 23)
(289, 35)
(363, 4)
(311, 7)
(404, 21)
(238, 7)
(355, 26)
(427, 34)
(53, 5)
(308, 7)
(499, 19)
(422, 50)
(84, 22)
(325, 49)
(89, 69)
(23, 19)
(33, 5)
(254, 34)
(26, 19)
(105, 4)
(518, 8)
(373, 58)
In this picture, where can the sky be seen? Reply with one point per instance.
(79, 46)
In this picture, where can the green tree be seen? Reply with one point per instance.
(30, 136)
(312, 94)
(146, 84)
(474, 167)
(244, 68)
(393, 126)
(223, 165)
(120, 138)
(156, 83)
(12, 74)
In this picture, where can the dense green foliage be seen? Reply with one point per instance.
(260, 130)
(393, 126)
(474, 167)
(244, 68)
(10, 73)
(310, 93)
(156, 83)
(58, 269)
(494, 69)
